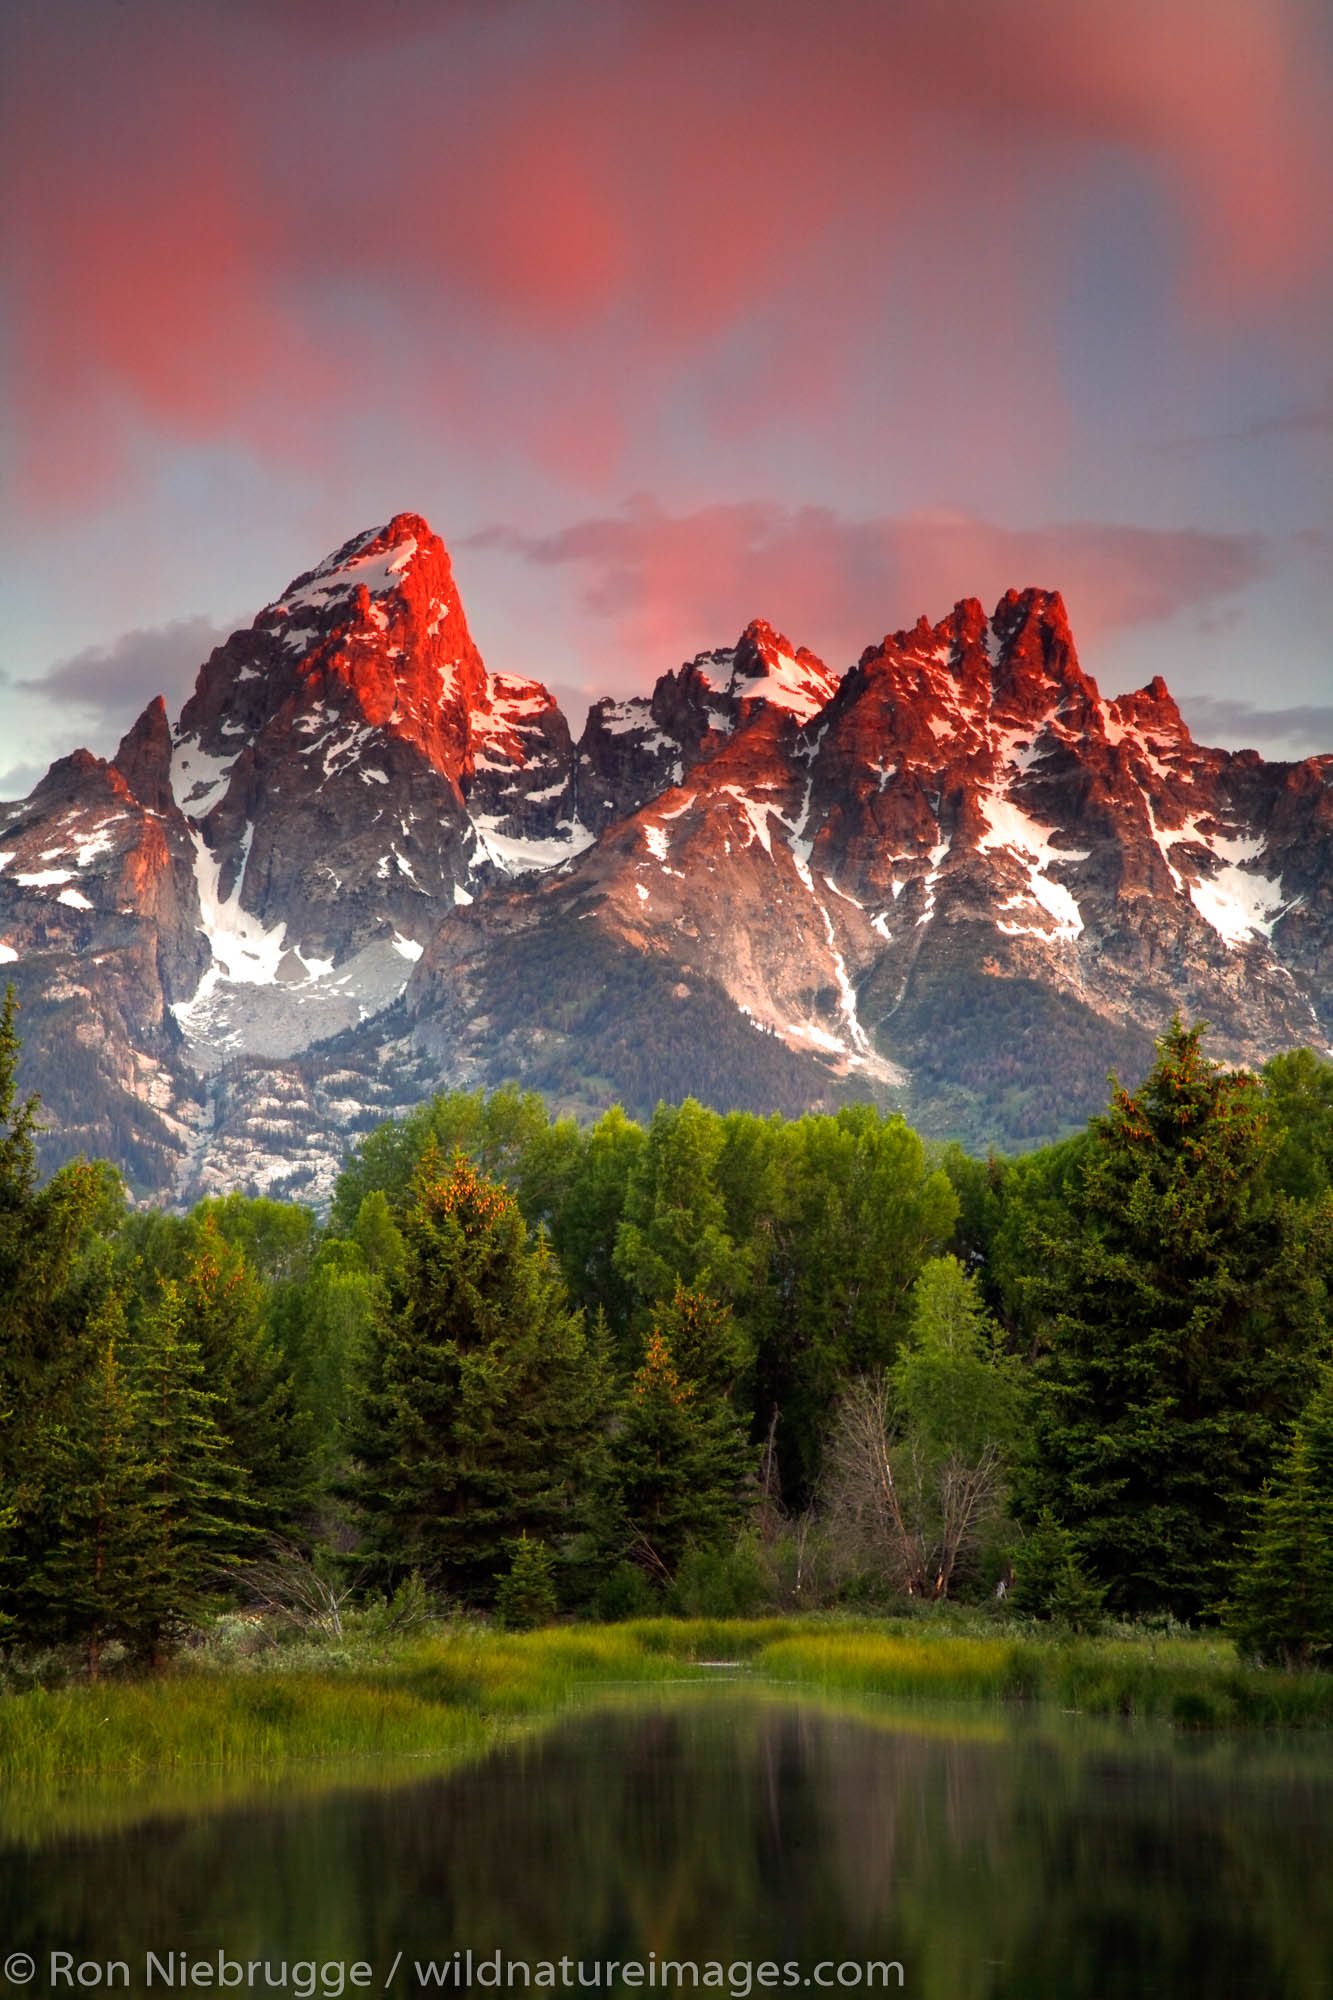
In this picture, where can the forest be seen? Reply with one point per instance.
(707, 1364)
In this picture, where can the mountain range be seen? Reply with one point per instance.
(360, 867)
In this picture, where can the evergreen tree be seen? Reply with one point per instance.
(1050, 1581)
(89, 1582)
(1183, 1313)
(225, 1314)
(707, 1347)
(1282, 1595)
(682, 1472)
(525, 1596)
(53, 1285)
(484, 1403)
(196, 1500)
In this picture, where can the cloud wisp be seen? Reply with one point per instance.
(660, 583)
(1306, 728)
(535, 222)
(109, 685)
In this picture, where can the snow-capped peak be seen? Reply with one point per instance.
(375, 560)
(764, 666)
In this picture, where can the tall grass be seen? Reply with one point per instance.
(1195, 1682)
(451, 1693)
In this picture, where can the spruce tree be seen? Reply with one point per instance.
(90, 1577)
(223, 1314)
(1183, 1312)
(195, 1495)
(525, 1596)
(1281, 1604)
(682, 1472)
(484, 1400)
(707, 1347)
(53, 1284)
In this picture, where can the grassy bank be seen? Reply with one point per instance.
(1194, 1682)
(451, 1693)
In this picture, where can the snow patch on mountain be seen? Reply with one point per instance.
(244, 952)
(514, 855)
(198, 779)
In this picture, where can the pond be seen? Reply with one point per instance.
(771, 1843)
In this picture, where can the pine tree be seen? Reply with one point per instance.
(682, 1471)
(525, 1596)
(1282, 1594)
(1182, 1309)
(1050, 1581)
(195, 1498)
(53, 1285)
(707, 1347)
(92, 1573)
(222, 1308)
(484, 1403)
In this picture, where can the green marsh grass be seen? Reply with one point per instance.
(453, 1692)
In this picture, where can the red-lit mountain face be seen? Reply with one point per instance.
(956, 879)
(962, 873)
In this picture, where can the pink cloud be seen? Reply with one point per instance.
(565, 215)
(666, 586)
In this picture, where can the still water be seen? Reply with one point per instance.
(985, 1857)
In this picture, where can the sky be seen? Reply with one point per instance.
(669, 315)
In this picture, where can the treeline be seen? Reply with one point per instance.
(716, 1361)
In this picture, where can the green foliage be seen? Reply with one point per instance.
(1183, 1312)
(1281, 1607)
(721, 1583)
(1050, 1581)
(850, 1209)
(1298, 1095)
(706, 1345)
(135, 1502)
(228, 1314)
(675, 1230)
(494, 1131)
(681, 1472)
(525, 1594)
(919, 1456)
(94, 1567)
(481, 1411)
(625, 1592)
(557, 1351)
(583, 1210)
(954, 1389)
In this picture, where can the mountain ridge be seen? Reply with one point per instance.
(359, 839)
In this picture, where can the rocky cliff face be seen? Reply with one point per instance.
(957, 879)
(958, 875)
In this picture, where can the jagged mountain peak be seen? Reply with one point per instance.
(767, 667)
(939, 875)
(762, 667)
(374, 635)
(143, 758)
(1150, 709)
(375, 559)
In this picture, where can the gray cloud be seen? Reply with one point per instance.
(1308, 729)
(18, 780)
(1312, 420)
(111, 683)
